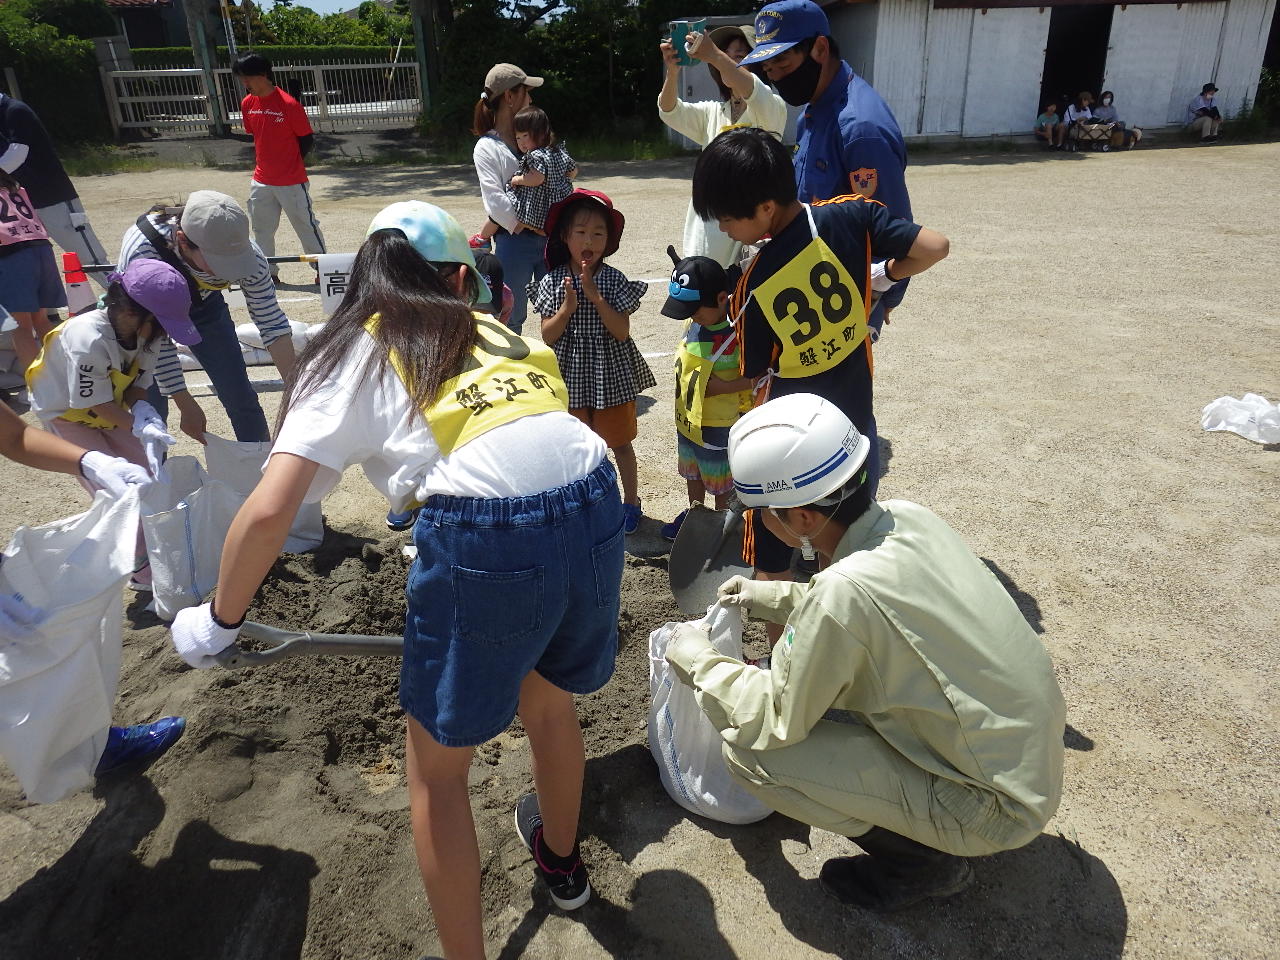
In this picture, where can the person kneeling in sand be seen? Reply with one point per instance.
(954, 747)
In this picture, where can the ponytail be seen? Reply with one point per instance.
(419, 318)
(485, 115)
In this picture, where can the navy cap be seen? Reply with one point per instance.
(695, 282)
(780, 26)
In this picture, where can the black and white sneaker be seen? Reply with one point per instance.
(569, 888)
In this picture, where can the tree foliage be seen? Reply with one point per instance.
(294, 25)
(70, 18)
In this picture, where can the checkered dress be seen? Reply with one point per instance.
(532, 203)
(599, 370)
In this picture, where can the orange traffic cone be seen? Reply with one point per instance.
(80, 296)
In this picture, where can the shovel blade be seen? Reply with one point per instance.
(707, 552)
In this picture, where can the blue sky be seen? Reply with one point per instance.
(322, 6)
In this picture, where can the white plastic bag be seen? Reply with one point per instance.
(684, 742)
(239, 466)
(58, 684)
(185, 522)
(1251, 416)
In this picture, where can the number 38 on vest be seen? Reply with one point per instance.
(815, 310)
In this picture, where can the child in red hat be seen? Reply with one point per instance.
(586, 308)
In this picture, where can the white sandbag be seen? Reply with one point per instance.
(250, 336)
(58, 684)
(239, 466)
(185, 523)
(684, 742)
(1252, 417)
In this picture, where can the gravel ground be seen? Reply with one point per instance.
(1040, 390)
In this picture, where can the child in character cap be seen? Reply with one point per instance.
(710, 388)
(586, 308)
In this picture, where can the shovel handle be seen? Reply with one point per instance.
(303, 643)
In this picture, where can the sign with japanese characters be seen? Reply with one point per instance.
(335, 271)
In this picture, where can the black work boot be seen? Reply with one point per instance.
(896, 873)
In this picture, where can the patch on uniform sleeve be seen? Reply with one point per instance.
(863, 180)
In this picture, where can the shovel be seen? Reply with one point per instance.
(707, 552)
(303, 643)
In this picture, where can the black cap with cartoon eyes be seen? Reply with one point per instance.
(695, 282)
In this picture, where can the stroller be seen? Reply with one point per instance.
(1091, 134)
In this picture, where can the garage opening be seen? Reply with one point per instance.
(1076, 52)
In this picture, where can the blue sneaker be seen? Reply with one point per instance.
(143, 741)
(630, 517)
(401, 521)
(672, 529)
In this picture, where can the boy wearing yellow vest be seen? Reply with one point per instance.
(710, 389)
(801, 305)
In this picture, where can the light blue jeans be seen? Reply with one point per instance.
(523, 259)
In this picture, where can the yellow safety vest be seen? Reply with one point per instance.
(120, 382)
(694, 409)
(814, 308)
(507, 377)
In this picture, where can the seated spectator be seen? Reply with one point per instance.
(1106, 112)
(1203, 118)
(1050, 128)
(1080, 110)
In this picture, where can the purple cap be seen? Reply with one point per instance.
(162, 290)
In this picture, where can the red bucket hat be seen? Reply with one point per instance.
(557, 252)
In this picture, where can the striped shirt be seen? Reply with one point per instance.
(259, 295)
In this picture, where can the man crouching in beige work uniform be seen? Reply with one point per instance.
(955, 744)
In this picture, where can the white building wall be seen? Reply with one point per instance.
(855, 31)
(946, 67)
(1142, 61)
(1006, 63)
(1244, 41)
(1198, 55)
(899, 60)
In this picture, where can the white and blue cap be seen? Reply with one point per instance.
(434, 234)
(796, 451)
(780, 26)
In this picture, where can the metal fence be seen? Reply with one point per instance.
(335, 96)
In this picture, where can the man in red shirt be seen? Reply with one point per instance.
(282, 135)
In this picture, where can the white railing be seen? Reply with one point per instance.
(336, 97)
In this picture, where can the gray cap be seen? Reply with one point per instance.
(220, 229)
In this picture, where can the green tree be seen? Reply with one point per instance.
(70, 18)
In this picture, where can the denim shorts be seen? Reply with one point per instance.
(30, 280)
(502, 587)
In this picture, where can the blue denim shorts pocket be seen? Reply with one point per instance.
(607, 559)
(498, 608)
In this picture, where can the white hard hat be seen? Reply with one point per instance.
(794, 451)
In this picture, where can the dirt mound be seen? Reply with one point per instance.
(302, 763)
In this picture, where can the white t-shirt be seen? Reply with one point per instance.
(75, 372)
(1075, 113)
(702, 122)
(495, 166)
(361, 419)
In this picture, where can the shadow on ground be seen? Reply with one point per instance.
(208, 894)
(1051, 900)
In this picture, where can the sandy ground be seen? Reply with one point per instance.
(1040, 390)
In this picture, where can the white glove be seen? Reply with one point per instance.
(197, 638)
(17, 617)
(113, 474)
(879, 282)
(740, 592)
(155, 436)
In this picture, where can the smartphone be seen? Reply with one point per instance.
(680, 30)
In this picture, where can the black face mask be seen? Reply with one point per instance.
(797, 87)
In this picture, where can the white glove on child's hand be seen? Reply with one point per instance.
(155, 436)
(113, 474)
(740, 592)
(197, 638)
(17, 617)
(879, 282)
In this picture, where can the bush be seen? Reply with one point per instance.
(58, 76)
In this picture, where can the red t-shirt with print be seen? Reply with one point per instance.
(276, 121)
